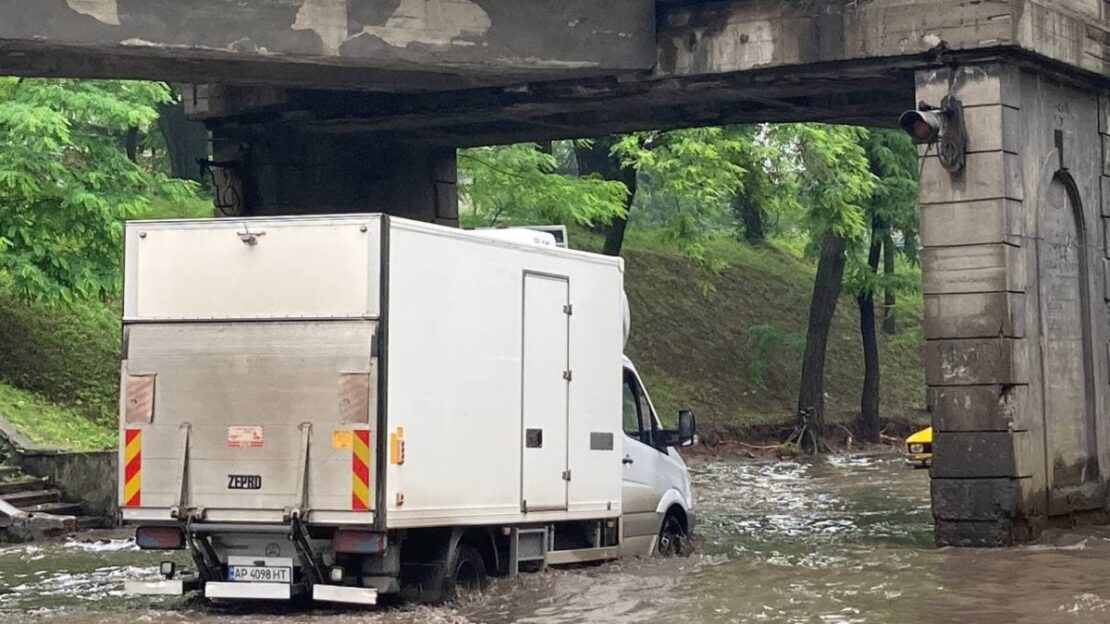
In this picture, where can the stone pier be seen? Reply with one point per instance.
(1016, 304)
(265, 170)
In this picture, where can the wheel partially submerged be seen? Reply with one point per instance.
(674, 540)
(466, 573)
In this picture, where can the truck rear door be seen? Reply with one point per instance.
(253, 420)
(249, 384)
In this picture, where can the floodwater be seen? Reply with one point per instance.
(836, 540)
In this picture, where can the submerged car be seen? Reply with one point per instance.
(919, 448)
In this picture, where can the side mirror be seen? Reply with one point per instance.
(687, 428)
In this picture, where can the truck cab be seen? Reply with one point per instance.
(656, 497)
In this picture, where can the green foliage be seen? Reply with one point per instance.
(687, 179)
(891, 206)
(52, 425)
(701, 166)
(187, 208)
(521, 184)
(67, 354)
(834, 178)
(771, 174)
(66, 182)
(766, 340)
(892, 157)
(693, 352)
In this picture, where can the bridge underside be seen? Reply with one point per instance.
(358, 105)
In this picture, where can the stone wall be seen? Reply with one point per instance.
(89, 477)
(1014, 292)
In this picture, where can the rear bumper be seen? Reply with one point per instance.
(252, 591)
(919, 460)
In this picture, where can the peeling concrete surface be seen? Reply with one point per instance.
(327, 18)
(439, 22)
(467, 37)
(105, 11)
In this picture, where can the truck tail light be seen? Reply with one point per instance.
(159, 538)
(355, 542)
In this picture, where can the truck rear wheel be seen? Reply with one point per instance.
(465, 573)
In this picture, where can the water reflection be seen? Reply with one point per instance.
(838, 540)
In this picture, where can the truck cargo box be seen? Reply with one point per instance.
(366, 370)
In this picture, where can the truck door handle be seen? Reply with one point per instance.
(627, 460)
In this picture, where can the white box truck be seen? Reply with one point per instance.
(349, 406)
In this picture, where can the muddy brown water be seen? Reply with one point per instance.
(838, 540)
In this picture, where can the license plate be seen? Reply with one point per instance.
(259, 574)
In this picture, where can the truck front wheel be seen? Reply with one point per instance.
(673, 539)
(466, 572)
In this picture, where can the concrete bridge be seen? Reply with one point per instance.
(354, 105)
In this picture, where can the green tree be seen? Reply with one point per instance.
(67, 183)
(768, 185)
(834, 184)
(891, 207)
(597, 159)
(521, 184)
(689, 177)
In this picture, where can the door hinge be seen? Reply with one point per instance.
(568, 309)
(568, 375)
(566, 475)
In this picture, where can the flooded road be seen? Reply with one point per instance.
(838, 540)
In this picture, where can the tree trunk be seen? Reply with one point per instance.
(186, 141)
(597, 158)
(131, 144)
(752, 216)
(890, 323)
(822, 307)
(869, 398)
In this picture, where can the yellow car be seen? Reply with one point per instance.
(919, 448)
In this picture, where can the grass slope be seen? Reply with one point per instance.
(53, 425)
(61, 362)
(691, 333)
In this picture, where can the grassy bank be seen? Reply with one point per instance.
(59, 363)
(728, 344)
(725, 343)
(50, 424)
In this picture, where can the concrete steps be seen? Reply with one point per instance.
(34, 495)
(58, 508)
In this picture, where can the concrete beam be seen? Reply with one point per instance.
(385, 44)
(730, 36)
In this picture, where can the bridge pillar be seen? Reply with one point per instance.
(1015, 288)
(280, 169)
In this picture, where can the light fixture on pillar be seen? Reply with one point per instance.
(944, 125)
